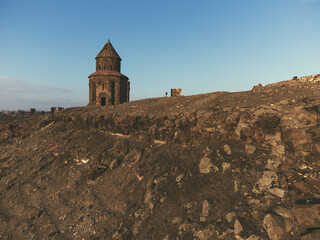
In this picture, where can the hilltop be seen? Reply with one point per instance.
(221, 165)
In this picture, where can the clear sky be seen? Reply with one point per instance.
(48, 48)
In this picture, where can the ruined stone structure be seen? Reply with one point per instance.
(32, 111)
(175, 92)
(107, 86)
(53, 110)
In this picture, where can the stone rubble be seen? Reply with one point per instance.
(215, 166)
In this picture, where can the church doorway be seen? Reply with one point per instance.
(103, 101)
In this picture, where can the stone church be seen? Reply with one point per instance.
(107, 86)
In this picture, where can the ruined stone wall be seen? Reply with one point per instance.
(175, 92)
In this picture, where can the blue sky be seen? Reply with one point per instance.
(47, 48)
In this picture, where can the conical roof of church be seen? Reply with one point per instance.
(108, 51)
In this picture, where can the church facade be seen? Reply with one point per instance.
(108, 86)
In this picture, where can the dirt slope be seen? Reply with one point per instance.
(214, 166)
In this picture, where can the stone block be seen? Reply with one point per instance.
(274, 226)
(32, 111)
(175, 92)
(53, 110)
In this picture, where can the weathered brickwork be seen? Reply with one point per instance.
(107, 86)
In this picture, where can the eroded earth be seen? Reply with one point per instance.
(221, 165)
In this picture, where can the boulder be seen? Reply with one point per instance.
(274, 226)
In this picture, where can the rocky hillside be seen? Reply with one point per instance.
(15, 126)
(221, 165)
